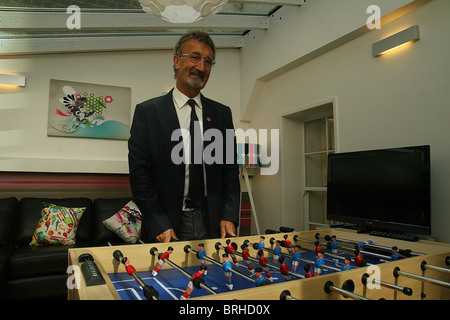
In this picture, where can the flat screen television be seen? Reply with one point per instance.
(381, 190)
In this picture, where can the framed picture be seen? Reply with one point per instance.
(86, 110)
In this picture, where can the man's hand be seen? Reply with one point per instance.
(227, 227)
(166, 236)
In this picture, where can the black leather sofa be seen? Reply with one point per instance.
(39, 272)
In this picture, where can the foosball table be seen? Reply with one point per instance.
(328, 264)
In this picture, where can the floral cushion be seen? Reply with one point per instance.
(58, 226)
(126, 223)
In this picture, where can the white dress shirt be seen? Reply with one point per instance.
(183, 110)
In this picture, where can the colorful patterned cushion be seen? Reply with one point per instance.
(126, 223)
(58, 226)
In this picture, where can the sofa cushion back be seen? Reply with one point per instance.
(8, 210)
(30, 213)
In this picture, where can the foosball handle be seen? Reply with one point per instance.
(284, 294)
(286, 229)
(150, 293)
(117, 254)
(153, 251)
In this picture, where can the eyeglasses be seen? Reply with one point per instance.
(196, 58)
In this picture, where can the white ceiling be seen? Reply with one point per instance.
(122, 25)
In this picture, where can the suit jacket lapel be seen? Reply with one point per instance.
(208, 115)
(170, 115)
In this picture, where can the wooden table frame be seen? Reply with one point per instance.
(434, 253)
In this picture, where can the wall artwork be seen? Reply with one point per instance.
(86, 110)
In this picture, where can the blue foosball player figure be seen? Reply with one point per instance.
(296, 257)
(334, 245)
(395, 255)
(347, 264)
(260, 279)
(319, 263)
(227, 271)
(277, 251)
(261, 244)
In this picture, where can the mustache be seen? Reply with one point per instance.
(198, 73)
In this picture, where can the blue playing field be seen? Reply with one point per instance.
(171, 283)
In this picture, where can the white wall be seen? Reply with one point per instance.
(24, 144)
(394, 100)
(295, 36)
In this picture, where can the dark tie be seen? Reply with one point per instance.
(196, 184)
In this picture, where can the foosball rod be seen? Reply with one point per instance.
(188, 249)
(297, 275)
(200, 283)
(334, 256)
(405, 252)
(301, 259)
(346, 291)
(425, 266)
(368, 253)
(366, 278)
(286, 295)
(398, 272)
(149, 292)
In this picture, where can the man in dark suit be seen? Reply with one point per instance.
(161, 186)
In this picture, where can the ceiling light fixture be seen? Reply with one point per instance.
(182, 11)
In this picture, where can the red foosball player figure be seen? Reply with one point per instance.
(318, 248)
(284, 269)
(287, 243)
(358, 257)
(245, 256)
(263, 264)
(190, 286)
(230, 251)
(308, 273)
(160, 263)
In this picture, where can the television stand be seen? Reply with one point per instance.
(393, 235)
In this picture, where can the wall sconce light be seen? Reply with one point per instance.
(395, 41)
(12, 79)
